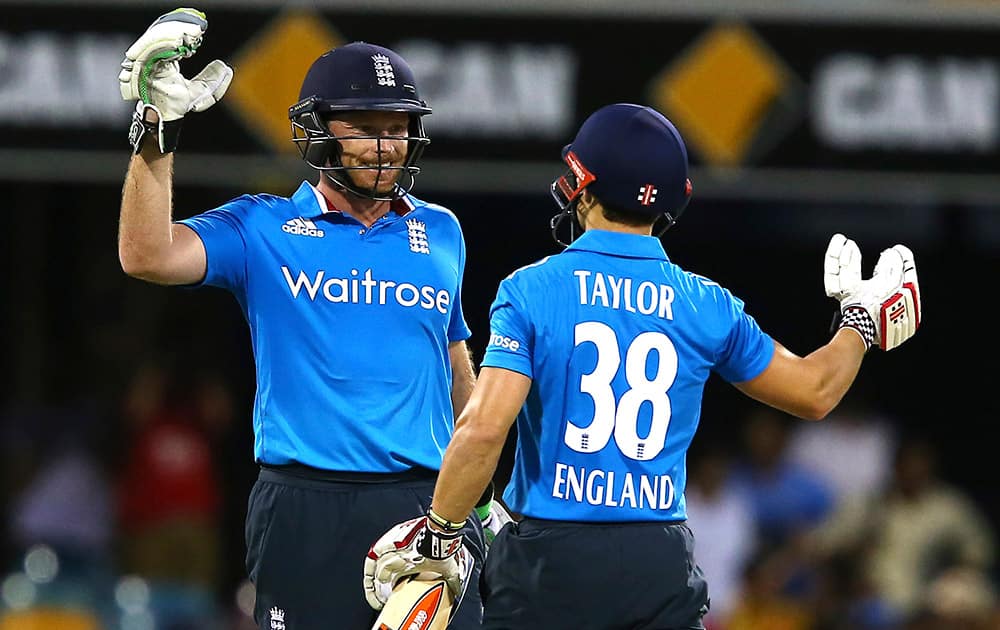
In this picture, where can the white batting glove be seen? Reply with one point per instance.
(414, 548)
(151, 75)
(900, 314)
(884, 310)
(841, 267)
(497, 517)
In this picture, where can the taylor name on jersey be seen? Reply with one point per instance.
(646, 298)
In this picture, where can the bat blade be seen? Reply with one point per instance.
(416, 605)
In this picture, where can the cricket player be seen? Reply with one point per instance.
(601, 353)
(352, 291)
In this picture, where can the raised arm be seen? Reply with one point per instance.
(883, 311)
(150, 246)
(809, 387)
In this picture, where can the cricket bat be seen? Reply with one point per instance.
(416, 605)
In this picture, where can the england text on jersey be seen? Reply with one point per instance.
(365, 290)
(598, 289)
(605, 487)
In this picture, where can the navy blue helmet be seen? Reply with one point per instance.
(630, 157)
(358, 77)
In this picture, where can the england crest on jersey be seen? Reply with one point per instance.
(416, 232)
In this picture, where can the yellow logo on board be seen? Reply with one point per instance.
(723, 92)
(269, 72)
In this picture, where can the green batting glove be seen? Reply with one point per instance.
(151, 75)
(492, 514)
(175, 35)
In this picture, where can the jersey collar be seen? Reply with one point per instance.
(312, 204)
(619, 244)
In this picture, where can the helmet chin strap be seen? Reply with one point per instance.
(571, 213)
(574, 211)
(557, 220)
(670, 220)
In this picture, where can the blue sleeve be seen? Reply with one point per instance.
(458, 329)
(223, 233)
(747, 350)
(512, 336)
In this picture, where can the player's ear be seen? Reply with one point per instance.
(582, 208)
(586, 203)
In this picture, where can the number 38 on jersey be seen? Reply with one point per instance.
(619, 418)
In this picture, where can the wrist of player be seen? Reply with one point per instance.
(435, 543)
(149, 128)
(857, 319)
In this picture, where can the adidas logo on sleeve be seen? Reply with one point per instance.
(303, 227)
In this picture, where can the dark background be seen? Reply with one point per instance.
(75, 330)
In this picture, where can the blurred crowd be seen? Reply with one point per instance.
(105, 533)
(845, 524)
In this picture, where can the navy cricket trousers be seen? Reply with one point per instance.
(550, 575)
(307, 535)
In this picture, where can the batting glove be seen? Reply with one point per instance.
(492, 514)
(415, 548)
(151, 76)
(841, 267)
(884, 310)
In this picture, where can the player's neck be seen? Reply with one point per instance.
(595, 221)
(367, 211)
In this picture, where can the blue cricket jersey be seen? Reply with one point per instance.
(618, 342)
(350, 326)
